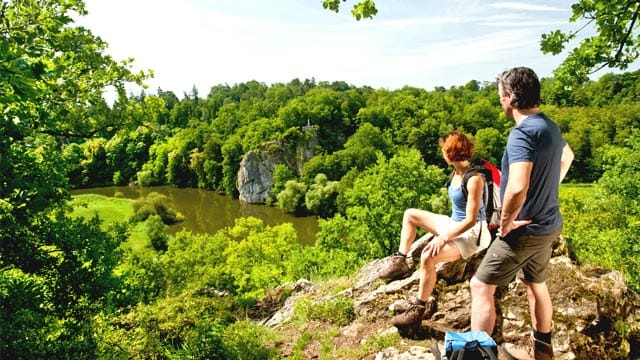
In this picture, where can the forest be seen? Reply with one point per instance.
(70, 287)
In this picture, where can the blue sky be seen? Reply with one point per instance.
(416, 43)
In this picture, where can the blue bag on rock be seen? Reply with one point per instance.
(469, 345)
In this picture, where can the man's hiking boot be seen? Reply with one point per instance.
(412, 316)
(535, 349)
(396, 268)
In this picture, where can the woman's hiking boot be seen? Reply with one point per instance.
(410, 317)
(396, 268)
(534, 349)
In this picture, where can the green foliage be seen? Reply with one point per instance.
(353, 125)
(365, 9)
(360, 151)
(281, 174)
(156, 204)
(321, 196)
(24, 321)
(248, 341)
(51, 291)
(168, 326)
(256, 260)
(245, 259)
(614, 44)
(157, 232)
(490, 144)
(143, 280)
(322, 262)
(232, 154)
(153, 171)
(602, 221)
(126, 152)
(197, 261)
(338, 310)
(291, 199)
(375, 204)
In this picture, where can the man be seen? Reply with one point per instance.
(535, 161)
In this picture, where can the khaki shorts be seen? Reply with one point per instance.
(527, 254)
(467, 243)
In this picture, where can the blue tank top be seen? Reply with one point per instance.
(459, 205)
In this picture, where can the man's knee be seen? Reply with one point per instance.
(477, 286)
(480, 290)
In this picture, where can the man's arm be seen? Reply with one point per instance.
(514, 195)
(565, 161)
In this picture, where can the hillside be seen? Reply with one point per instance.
(595, 315)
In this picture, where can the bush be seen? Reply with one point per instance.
(156, 203)
(291, 199)
(157, 232)
(338, 310)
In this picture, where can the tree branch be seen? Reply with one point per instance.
(629, 31)
(624, 39)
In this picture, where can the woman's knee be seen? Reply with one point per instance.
(427, 261)
(413, 214)
(410, 213)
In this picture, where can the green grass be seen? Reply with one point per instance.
(575, 189)
(111, 210)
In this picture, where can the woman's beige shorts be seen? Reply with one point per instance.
(467, 242)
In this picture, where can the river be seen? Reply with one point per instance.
(207, 211)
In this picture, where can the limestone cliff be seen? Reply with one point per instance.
(255, 176)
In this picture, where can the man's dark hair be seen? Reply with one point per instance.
(524, 86)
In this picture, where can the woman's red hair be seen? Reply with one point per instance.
(457, 146)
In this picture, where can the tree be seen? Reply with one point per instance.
(55, 273)
(376, 201)
(291, 199)
(614, 45)
(321, 196)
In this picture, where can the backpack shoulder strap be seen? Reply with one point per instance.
(488, 186)
(446, 184)
(465, 178)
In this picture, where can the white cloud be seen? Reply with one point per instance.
(528, 6)
(415, 43)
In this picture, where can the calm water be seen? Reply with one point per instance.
(207, 211)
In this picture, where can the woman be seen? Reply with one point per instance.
(459, 236)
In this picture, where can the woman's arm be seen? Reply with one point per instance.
(475, 186)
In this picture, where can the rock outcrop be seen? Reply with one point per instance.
(595, 315)
(255, 176)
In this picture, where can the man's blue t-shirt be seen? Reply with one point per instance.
(537, 139)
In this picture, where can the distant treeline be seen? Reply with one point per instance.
(199, 141)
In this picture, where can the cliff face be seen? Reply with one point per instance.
(595, 315)
(255, 176)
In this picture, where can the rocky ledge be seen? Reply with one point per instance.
(595, 315)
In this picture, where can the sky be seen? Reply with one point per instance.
(423, 44)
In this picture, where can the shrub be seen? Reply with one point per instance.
(156, 203)
(157, 232)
